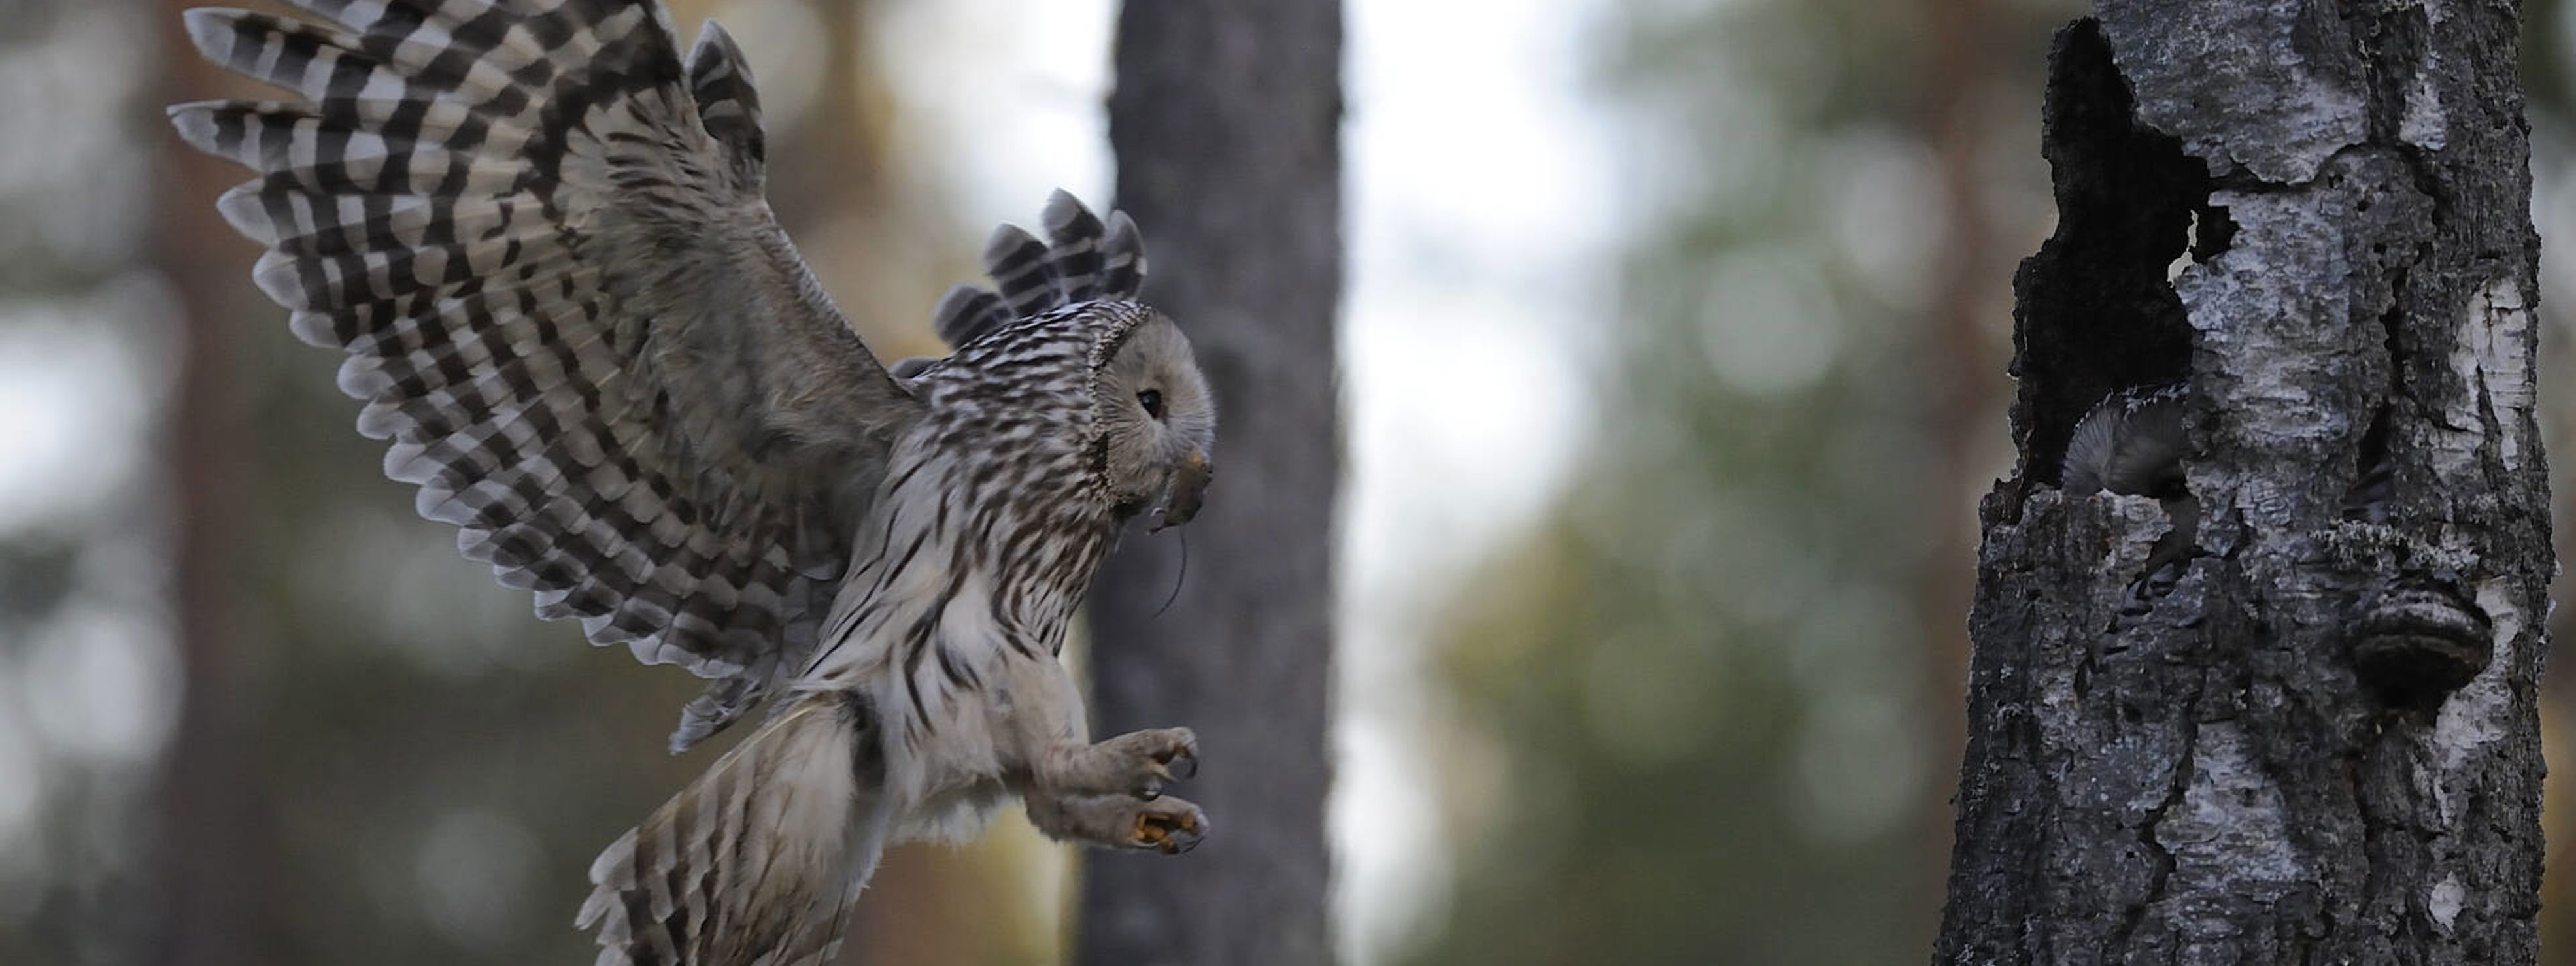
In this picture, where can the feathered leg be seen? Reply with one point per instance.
(1107, 793)
(754, 863)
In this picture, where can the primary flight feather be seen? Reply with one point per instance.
(540, 238)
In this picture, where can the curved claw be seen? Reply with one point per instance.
(1182, 762)
(1176, 760)
(1138, 764)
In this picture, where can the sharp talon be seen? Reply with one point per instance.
(1193, 830)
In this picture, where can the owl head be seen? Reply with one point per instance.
(1153, 420)
(1155, 423)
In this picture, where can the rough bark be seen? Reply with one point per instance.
(2321, 744)
(1226, 124)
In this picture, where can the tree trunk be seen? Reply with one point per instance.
(215, 851)
(1226, 123)
(2315, 739)
(1958, 386)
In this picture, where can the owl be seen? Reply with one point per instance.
(2133, 443)
(539, 236)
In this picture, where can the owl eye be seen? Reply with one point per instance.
(1152, 400)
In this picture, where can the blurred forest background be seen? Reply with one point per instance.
(1674, 354)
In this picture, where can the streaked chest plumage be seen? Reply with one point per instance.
(981, 543)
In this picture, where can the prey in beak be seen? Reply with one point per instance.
(1182, 495)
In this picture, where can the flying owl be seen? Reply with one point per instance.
(540, 238)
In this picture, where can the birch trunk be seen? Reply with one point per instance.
(2321, 743)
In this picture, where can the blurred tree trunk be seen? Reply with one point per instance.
(1959, 385)
(1226, 123)
(2317, 742)
(217, 863)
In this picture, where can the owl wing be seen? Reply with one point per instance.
(542, 242)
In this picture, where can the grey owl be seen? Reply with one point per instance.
(539, 235)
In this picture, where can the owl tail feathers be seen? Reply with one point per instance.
(757, 861)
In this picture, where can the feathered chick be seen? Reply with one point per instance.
(2133, 443)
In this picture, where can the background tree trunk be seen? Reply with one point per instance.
(1226, 123)
(1958, 387)
(2321, 744)
(216, 853)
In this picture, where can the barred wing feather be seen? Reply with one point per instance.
(1083, 259)
(541, 241)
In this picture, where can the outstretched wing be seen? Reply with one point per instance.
(1084, 259)
(542, 243)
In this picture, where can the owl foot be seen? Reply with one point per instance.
(1138, 763)
(1167, 825)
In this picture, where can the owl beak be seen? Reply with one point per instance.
(1181, 497)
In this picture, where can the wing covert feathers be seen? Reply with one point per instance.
(540, 241)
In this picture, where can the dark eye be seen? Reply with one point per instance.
(1152, 400)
